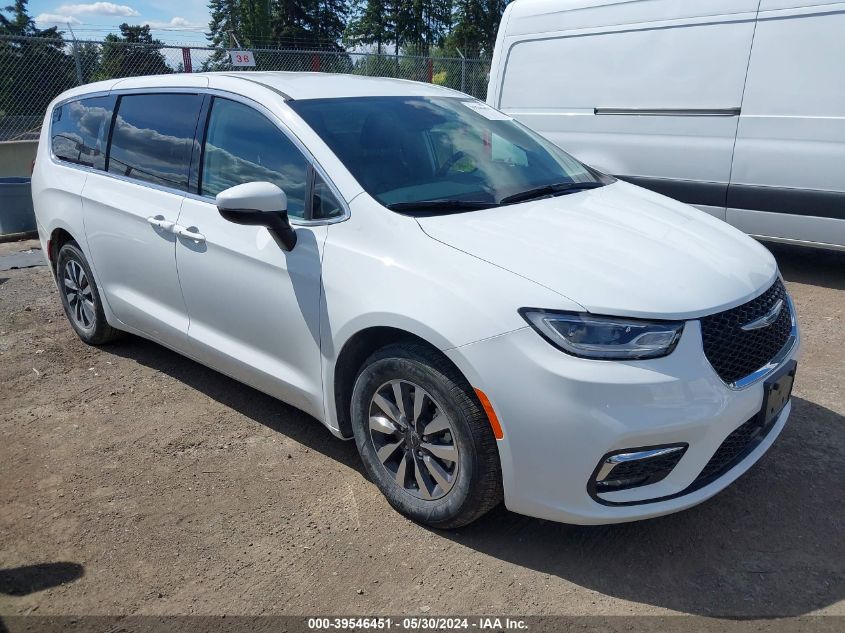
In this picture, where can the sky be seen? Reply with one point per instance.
(182, 21)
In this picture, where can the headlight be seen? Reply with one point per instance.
(605, 338)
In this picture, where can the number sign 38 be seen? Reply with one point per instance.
(242, 58)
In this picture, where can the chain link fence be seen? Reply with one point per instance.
(34, 70)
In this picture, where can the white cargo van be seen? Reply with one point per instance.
(734, 106)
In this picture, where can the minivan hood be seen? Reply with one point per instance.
(617, 250)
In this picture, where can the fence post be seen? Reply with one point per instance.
(76, 62)
(187, 66)
(463, 70)
(429, 63)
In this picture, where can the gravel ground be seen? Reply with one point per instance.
(135, 481)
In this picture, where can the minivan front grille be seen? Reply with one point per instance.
(735, 353)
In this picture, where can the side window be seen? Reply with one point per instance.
(153, 136)
(242, 145)
(324, 204)
(76, 130)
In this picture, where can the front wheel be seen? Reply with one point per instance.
(424, 438)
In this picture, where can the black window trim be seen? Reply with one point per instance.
(313, 174)
(198, 148)
(308, 212)
(115, 101)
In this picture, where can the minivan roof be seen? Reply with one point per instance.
(295, 85)
(314, 85)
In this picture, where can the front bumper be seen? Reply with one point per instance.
(561, 414)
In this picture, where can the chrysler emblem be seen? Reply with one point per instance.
(766, 320)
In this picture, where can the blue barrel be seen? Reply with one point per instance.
(16, 214)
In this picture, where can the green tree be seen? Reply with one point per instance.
(20, 22)
(412, 26)
(330, 23)
(131, 54)
(312, 24)
(475, 25)
(34, 68)
(89, 60)
(255, 28)
(225, 20)
(315, 25)
(374, 23)
(422, 24)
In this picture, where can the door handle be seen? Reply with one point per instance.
(160, 223)
(196, 236)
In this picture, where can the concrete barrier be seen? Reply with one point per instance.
(16, 158)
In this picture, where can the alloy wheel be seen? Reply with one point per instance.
(414, 439)
(80, 296)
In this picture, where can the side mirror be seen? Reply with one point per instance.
(258, 204)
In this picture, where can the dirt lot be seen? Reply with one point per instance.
(149, 484)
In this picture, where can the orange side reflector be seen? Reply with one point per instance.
(491, 414)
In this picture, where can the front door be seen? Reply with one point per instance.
(254, 309)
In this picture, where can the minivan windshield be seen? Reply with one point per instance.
(442, 154)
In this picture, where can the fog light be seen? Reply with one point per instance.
(632, 468)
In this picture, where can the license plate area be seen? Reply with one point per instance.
(776, 393)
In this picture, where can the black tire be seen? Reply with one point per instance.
(476, 484)
(87, 319)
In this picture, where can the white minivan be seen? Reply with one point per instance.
(486, 316)
(734, 106)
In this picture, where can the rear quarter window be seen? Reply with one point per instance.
(77, 131)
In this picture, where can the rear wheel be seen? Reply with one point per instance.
(80, 297)
(423, 437)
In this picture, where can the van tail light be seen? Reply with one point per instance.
(32, 167)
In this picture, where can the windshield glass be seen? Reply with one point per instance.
(407, 150)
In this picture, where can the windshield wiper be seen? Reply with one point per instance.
(442, 205)
(549, 190)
